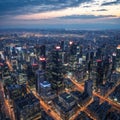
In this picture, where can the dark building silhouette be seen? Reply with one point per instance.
(99, 72)
(88, 87)
(39, 77)
(43, 63)
(99, 53)
(118, 58)
(43, 50)
(73, 48)
(62, 45)
(56, 70)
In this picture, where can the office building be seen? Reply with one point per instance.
(118, 58)
(45, 87)
(57, 70)
(39, 78)
(65, 105)
(27, 107)
(99, 73)
(73, 48)
(16, 91)
(88, 87)
(43, 63)
(62, 45)
(42, 50)
(45, 91)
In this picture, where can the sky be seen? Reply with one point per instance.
(63, 14)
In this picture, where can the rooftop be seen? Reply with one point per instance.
(67, 97)
(23, 101)
(45, 84)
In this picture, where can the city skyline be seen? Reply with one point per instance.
(77, 14)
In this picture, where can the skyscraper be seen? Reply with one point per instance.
(106, 65)
(40, 77)
(56, 71)
(43, 50)
(43, 63)
(113, 61)
(99, 71)
(118, 58)
(73, 48)
(88, 87)
(62, 45)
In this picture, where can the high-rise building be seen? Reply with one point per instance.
(45, 87)
(99, 53)
(43, 62)
(118, 58)
(88, 87)
(73, 48)
(16, 91)
(43, 50)
(106, 65)
(27, 107)
(56, 70)
(62, 45)
(81, 50)
(113, 61)
(40, 77)
(99, 72)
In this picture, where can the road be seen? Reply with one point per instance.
(110, 91)
(55, 116)
(84, 108)
(6, 108)
(9, 65)
(46, 107)
(81, 88)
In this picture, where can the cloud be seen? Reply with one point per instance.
(72, 13)
(102, 10)
(73, 19)
(34, 6)
(87, 16)
(111, 3)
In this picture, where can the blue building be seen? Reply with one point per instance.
(45, 91)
